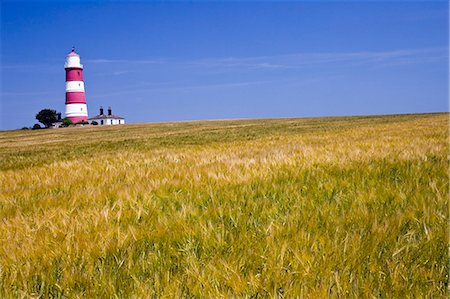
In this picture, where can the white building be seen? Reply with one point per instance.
(109, 119)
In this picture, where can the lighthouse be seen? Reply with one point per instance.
(76, 109)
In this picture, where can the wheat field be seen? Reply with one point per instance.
(353, 207)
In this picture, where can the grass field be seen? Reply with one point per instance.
(320, 207)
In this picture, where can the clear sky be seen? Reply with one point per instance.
(167, 61)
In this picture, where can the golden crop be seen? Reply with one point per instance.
(321, 207)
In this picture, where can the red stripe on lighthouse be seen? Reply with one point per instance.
(75, 97)
(74, 75)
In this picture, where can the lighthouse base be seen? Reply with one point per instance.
(77, 119)
(76, 112)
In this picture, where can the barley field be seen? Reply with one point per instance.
(353, 207)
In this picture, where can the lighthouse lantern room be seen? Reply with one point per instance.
(76, 109)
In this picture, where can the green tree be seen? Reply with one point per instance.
(36, 127)
(47, 117)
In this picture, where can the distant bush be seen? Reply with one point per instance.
(37, 127)
(94, 123)
(66, 122)
(25, 128)
(83, 122)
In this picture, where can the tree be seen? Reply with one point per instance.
(67, 122)
(36, 127)
(47, 117)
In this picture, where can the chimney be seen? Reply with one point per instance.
(101, 110)
(109, 111)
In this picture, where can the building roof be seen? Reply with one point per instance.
(73, 52)
(104, 116)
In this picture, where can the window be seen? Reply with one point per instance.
(78, 73)
(101, 122)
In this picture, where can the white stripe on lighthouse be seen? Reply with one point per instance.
(76, 110)
(75, 86)
(73, 62)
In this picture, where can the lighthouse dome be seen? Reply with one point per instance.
(73, 60)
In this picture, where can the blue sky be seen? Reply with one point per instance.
(167, 61)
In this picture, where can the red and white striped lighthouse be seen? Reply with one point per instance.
(76, 109)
